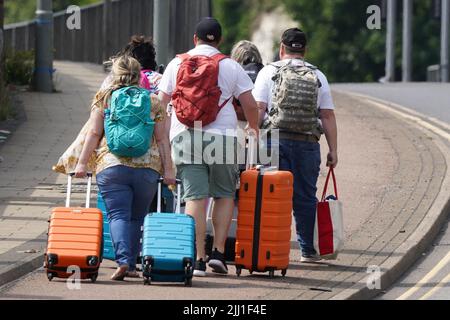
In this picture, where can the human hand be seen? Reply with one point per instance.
(81, 171)
(332, 159)
(170, 178)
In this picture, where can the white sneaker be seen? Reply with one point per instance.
(200, 268)
(311, 259)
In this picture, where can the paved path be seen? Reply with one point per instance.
(429, 278)
(28, 187)
(390, 174)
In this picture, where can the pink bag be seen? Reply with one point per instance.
(329, 226)
(145, 83)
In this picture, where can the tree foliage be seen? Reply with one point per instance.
(339, 41)
(23, 10)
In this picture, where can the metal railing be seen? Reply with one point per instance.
(128, 17)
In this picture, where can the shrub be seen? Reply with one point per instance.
(19, 66)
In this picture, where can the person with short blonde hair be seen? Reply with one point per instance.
(246, 52)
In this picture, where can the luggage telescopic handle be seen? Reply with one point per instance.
(252, 143)
(160, 182)
(69, 189)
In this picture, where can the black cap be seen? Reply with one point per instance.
(209, 30)
(295, 39)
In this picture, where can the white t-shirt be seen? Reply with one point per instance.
(264, 87)
(233, 81)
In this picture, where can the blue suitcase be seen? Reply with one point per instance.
(108, 248)
(168, 245)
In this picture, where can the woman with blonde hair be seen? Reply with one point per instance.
(245, 53)
(126, 184)
(248, 56)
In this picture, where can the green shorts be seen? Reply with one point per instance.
(208, 181)
(204, 175)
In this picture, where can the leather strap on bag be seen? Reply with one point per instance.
(330, 174)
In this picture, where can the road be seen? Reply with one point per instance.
(428, 278)
(430, 99)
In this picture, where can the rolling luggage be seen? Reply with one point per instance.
(108, 247)
(263, 239)
(168, 245)
(74, 239)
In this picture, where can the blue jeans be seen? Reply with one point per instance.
(128, 193)
(303, 160)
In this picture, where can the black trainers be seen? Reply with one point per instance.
(200, 268)
(217, 262)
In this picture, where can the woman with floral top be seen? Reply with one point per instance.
(127, 185)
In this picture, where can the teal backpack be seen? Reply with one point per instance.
(128, 125)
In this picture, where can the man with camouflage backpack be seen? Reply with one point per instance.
(297, 101)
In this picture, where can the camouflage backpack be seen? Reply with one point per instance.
(295, 99)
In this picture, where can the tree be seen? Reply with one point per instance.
(23, 10)
(343, 46)
(340, 43)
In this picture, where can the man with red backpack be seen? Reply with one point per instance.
(201, 85)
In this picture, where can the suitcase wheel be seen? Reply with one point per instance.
(284, 272)
(50, 276)
(272, 274)
(94, 277)
(238, 271)
(188, 282)
(147, 281)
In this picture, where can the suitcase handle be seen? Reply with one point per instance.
(252, 144)
(178, 207)
(69, 189)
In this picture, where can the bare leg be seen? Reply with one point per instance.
(197, 209)
(222, 215)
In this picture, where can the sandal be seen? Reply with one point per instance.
(120, 273)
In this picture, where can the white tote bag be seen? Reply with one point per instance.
(329, 226)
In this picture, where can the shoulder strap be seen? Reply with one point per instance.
(219, 57)
(184, 57)
(279, 64)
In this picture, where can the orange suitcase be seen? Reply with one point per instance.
(74, 240)
(263, 239)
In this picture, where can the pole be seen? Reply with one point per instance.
(44, 46)
(161, 30)
(407, 40)
(107, 37)
(445, 41)
(391, 40)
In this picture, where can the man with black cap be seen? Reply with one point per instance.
(297, 101)
(202, 179)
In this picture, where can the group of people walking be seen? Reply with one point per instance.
(248, 96)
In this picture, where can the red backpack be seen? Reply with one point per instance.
(197, 94)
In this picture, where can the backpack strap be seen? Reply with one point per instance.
(183, 57)
(219, 57)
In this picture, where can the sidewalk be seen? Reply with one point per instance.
(389, 175)
(28, 187)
